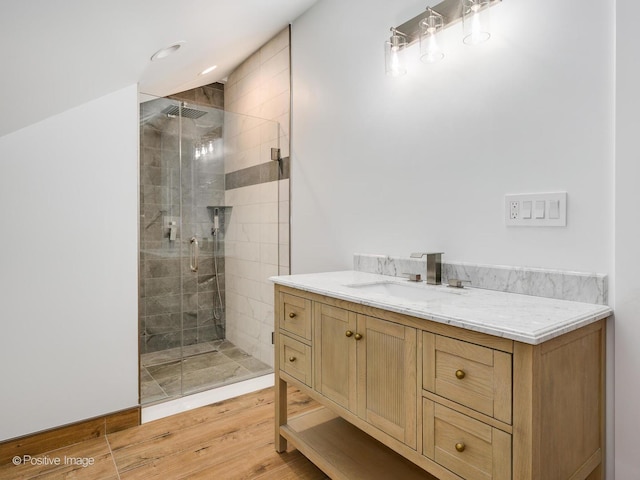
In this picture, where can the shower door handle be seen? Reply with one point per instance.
(194, 254)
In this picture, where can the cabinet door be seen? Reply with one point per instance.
(387, 384)
(335, 354)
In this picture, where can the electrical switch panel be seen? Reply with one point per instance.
(536, 209)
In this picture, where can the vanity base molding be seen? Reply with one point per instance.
(404, 397)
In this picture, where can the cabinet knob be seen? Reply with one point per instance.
(357, 336)
(348, 333)
(291, 315)
(460, 375)
(292, 359)
(460, 447)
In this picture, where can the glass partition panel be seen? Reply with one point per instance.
(208, 244)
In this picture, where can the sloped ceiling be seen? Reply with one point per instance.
(57, 54)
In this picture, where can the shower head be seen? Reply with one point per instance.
(219, 216)
(185, 112)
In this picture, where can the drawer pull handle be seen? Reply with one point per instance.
(460, 447)
(292, 315)
(357, 336)
(348, 333)
(292, 359)
(460, 375)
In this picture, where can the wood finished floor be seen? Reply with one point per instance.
(226, 440)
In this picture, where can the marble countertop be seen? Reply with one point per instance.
(523, 318)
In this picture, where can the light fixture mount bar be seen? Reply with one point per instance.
(451, 11)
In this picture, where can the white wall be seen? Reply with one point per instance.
(392, 166)
(627, 280)
(384, 165)
(68, 266)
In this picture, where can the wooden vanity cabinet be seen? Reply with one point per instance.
(367, 366)
(408, 398)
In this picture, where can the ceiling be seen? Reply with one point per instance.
(57, 54)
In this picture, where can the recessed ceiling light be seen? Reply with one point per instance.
(165, 52)
(208, 70)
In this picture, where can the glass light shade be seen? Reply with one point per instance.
(430, 26)
(394, 50)
(475, 21)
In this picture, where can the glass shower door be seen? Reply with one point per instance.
(209, 241)
(202, 224)
(161, 282)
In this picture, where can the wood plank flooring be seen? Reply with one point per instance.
(227, 440)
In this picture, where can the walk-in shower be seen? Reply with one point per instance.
(208, 243)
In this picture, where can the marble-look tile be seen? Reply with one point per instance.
(562, 285)
(190, 336)
(151, 157)
(150, 175)
(155, 287)
(151, 137)
(161, 268)
(165, 371)
(213, 377)
(171, 385)
(205, 300)
(163, 304)
(162, 341)
(204, 366)
(225, 345)
(161, 356)
(236, 354)
(205, 360)
(255, 366)
(166, 322)
(150, 390)
(198, 348)
(189, 320)
(210, 332)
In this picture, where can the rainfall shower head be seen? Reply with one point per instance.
(185, 112)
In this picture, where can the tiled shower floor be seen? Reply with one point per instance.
(204, 366)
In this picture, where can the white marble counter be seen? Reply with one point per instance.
(518, 317)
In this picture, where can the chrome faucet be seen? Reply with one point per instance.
(434, 266)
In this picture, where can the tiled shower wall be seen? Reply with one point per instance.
(174, 303)
(258, 235)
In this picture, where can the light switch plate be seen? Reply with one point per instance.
(554, 202)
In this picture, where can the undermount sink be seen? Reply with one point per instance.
(419, 293)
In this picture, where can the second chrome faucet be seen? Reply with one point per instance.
(434, 266)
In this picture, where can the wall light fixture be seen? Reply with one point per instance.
(394, 50)
(426, 29)
(475, 21)
(430, 26)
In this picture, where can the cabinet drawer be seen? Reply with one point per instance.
(295, 359)
(464, 445)
(295, 315)
(475, 376)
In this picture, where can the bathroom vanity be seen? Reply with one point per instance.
(428, 382)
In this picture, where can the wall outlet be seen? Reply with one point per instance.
(514, 209)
